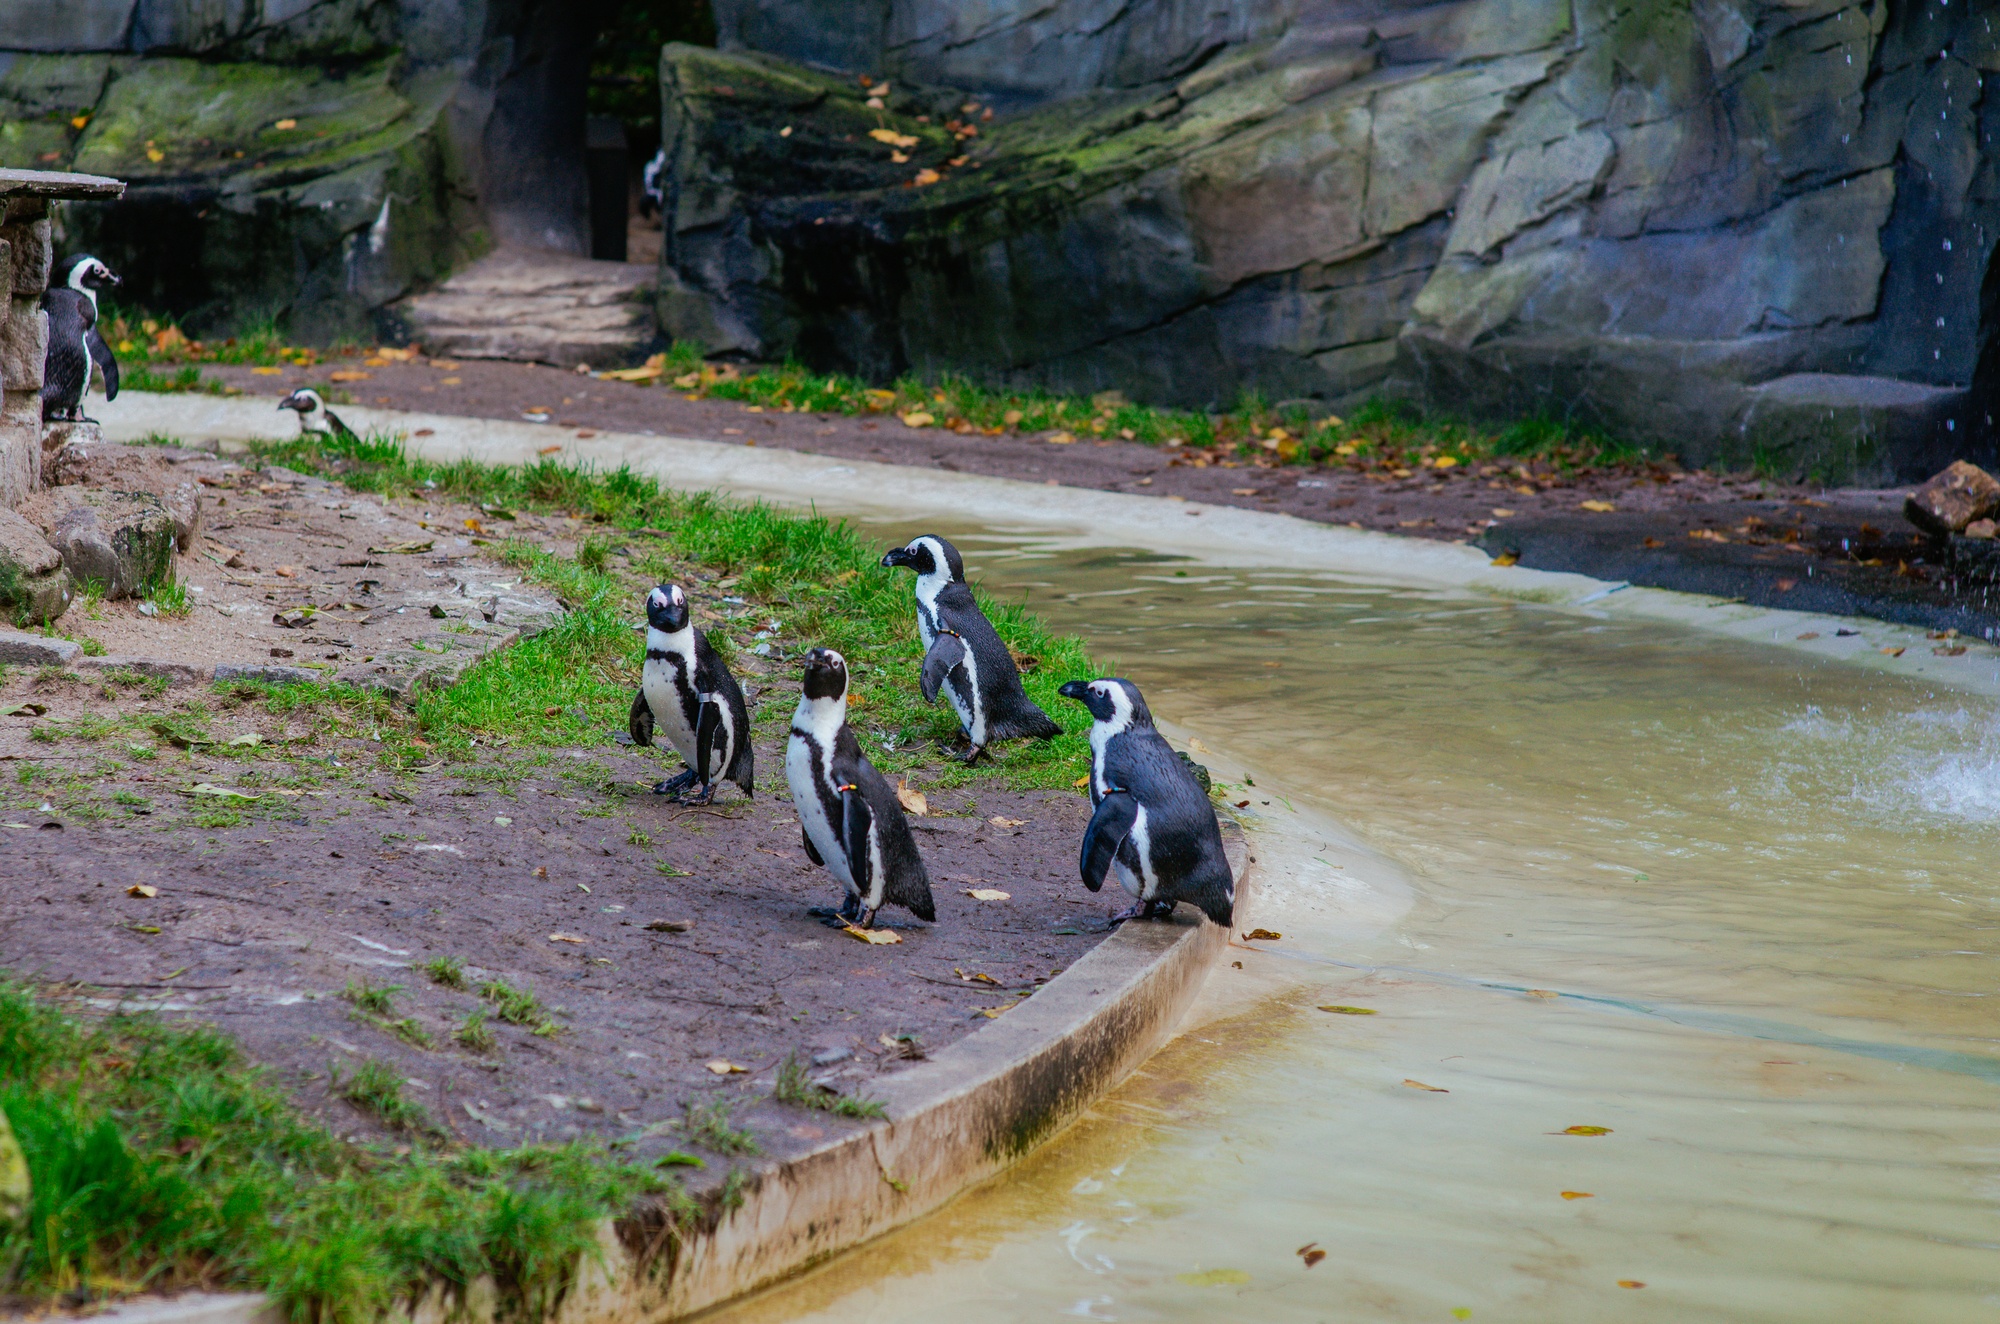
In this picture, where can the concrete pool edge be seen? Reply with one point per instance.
(961, 1117)
(1224, 533)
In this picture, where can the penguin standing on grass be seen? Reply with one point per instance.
(849, 817)
(963, 654)
(1153, 824)
(687, 692)
(314, 417)
(74, 340)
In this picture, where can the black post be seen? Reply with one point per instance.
(604, 163)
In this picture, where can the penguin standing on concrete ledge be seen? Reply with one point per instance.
(849, 816)
(314, 416)
(962, 653)
(1153, 824)
(74, 340)
(686, 691)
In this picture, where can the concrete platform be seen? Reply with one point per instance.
(536, 307)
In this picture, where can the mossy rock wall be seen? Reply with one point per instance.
(1645, 217)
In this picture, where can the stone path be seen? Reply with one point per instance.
(537, 308)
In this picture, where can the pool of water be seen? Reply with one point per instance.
(1736, 906)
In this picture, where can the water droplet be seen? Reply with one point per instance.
(1947, 245)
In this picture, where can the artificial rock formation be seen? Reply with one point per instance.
(1750, 231)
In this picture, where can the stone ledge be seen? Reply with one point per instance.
(36, 650)
(175, 673)
(958, 1119)
(58, 184)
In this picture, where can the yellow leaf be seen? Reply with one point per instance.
(1501, 512)
(1543, 993)
(1577, 1195)
(891, 137)
(642, 374)
(1262, 935)
(1583, 1131)
(155, 155)
(1446, 462)
(998, 821)
(722, 1066)
(1214, 1278)
(1419, 1085)
(879, 395)
(873, 937)
(1505, 558)
(1340, 1010)
(286, 124)
(926, 176)
(988, 894)
(911, 799)
(917, 418)
(1011, 417)
(1893, 652)
(564, 937)
(78, 121)
(1082, 781)
(1600, 507)
(995, 1013)
(403, 548)
(1461, 1312)
(1630, 1282)
(141, 889)
(1060, 439)
(349, 375)
(268, 372)
(976, 977)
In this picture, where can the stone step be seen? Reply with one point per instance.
(536, 308)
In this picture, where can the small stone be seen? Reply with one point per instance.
(1981, 528)
(34, 650)
(1952, 499)
(826, 1057)
(34, 584)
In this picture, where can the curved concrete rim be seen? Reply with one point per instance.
(1077, 516)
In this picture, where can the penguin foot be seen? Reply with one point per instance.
(972, 756)
(674, 785)
(1118, 917)
(707, 796)
(828, 915)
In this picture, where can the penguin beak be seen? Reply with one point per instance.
(896, 557)
(111, 277)
(1076, 689)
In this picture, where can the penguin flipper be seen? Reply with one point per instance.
(1109, 827)
(100, 354)
(855, 820)
(639, 722)
(706, 727)
(946, 655)
(811, 852)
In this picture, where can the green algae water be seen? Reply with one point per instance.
(1736, 907)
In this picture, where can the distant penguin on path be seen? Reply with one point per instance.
(314, 416)
(963, 654)
(75, 343)
(1153, 824)
(687, 693)
(849, 817)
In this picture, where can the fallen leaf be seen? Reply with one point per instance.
(1787, 585)
(1501, 512)
(503, 820)
(670, 926)
(145, 928)
(1810, 634)
(1060, 439)
(1082, 781)
(1599, 507)
(1419, 1085)
(1508, 557)
(1894, 652)
(917, 418)
(874, 937)
(1577, 1195)
(1541, 993)
(1339, 1010)
(988, 894)
(142, 889)
(404, 548)
(225, 792)
(1630, 1282)
(1461, 1312)
(912, 800)
(998, 821)
(286, 124)
(1243, 491)
(995, 1013)
(548, 450)
(1582, 1131)
(349, 375)
(1706, 535)
(926, 176)
(891, 137)
(1310, 1253)
(1214, 1278)
(565, 937)
(268, 372)
(1262, 935)
(976, 977)
(250, 741)
(25, 710)
(642, 374)
(155, 155)
(541, 871)
(722, 1066)
(1949, 650)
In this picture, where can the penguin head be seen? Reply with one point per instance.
(929, 554)
(825, 675)
(84, 272)
(1112, 700)
(305, 401)
(667, 609)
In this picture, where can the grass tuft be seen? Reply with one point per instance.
(796, 1087)
(711, 1125)
(377, 1089)
(445, 971)
(376, 1000)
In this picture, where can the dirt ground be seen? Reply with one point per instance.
(287, 857)
(1647, 524)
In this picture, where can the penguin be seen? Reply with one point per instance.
(1153, 824)
(74, 340)
(963, 654)
(849, 817)
(686, 691)
(653, 185)
(315, 417)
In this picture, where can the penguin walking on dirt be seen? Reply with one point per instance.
(686, 691)
(963, 654)
(75, 343)
(849, 817)
(314, 417)
(1153, 824)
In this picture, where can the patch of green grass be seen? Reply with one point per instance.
(216, 818)
(473, 1034)
(447, 971)
(172, 598)
(160, 1161)
(817, 576)
(517, 1006)
(376, 1000)
(712, 1125)
(796, 1088)
(377, 1089)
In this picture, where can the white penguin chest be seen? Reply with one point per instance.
(667, 682)
(808, 769)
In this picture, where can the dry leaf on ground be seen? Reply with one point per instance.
(1419, 1085)
(1339, 1010)
(1599, 507)
(988, 894)
(565, 937)
(975, 977)
(670, 926)
(911, 799)
(1577, 1195)
(225, 792)
(1583, 1131)
(1630, 1282)
(722, 1066)
(404, 548)
(998, 821)
(874, 937)
(1214, 1278)
(142, 889)
(1310, 1253)
(1262, 935)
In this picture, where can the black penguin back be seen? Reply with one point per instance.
(1183, 837)
(1010, 713)
(906, 882)
(712, 676)
(66, 367)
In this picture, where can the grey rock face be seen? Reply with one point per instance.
(121, 541)
(34, 586)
